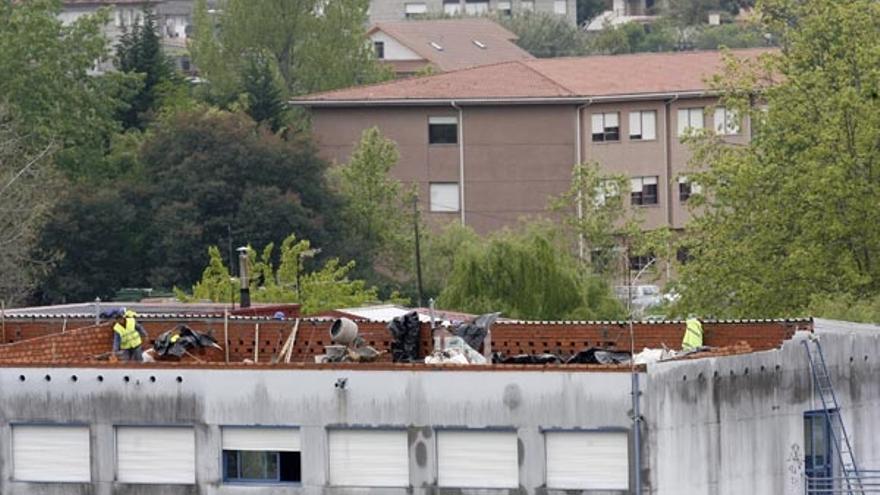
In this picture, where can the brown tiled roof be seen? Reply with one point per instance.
(457, 38)
(559, 78)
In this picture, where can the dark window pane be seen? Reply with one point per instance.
(684, 191)
(442, 133)
(230, 463)
(635, 198)
(258, 465)
(612, 134)
(290, 466)
(380, 49)
(598, 136)
(649, 194)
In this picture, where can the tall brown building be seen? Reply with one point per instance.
(490, 144)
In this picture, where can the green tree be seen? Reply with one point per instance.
(845, 307)
(546, 35)
(439, 250)
(316, 45)
(140, 52)
(787, 218)
(529, 275)
(264, 89)
(373, 201)
(46, 83)
(692, 12)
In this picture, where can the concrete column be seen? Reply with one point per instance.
(5, 457)
(315, 473)
(531, 457)
(209, 448)
(103, 444)
(422, 457)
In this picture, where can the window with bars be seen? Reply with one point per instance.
(687, 188)
(442, 130)
(638, 263)
(606, 127)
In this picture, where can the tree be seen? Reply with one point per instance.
(546, 35)
(264, 90)
(788, 217)
(140, 52)
(27, 194)
(373, 201)
(326, 288)
(596, 211)
(527, 275)
(316, 45)
(692, 12)
(46, 84)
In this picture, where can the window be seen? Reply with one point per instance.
(261, 455)
(818, 444)
(504, 9)
(415, 10)
(606, 127)
(155, 454)
(686, 188)
(689, 118)
(560, 7)
(726, 122)
(643, 191)
(605, 190)
(442, 130)
(51, 453)
(477, 459)
(379, 48)
(376, 458)
(587, 460)
(444, 197)
(639, 263)
(476, 7)
(643, 125)
(527, 5)
(451, 7)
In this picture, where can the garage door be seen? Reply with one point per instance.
(51, 453)
(261, 439)
(368, 458)
(152, 454)
(477, 459)
(587, 460)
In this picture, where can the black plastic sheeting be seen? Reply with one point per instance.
(592, 355)
(473, 333)
(167, 345)
(405, 334)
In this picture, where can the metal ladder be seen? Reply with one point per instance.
(852, 479)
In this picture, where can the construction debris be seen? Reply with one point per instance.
(179, 341)
(348, 346)
(455, 351)
(405, 332)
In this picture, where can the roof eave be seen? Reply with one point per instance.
(554, 100)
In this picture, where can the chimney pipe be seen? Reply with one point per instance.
(243, 269)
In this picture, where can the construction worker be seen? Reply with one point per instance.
(128, 335)
(693, 334)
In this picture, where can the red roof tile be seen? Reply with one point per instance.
(573, 77)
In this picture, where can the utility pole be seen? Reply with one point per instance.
(415, 200)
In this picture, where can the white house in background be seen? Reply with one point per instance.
(624, 12)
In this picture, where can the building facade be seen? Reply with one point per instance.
(397, 10)
(722, 424)
(489, 145)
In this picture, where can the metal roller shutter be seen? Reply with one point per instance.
(51, 453)
(594, 460)
(368, 458)
(155, 454)
(261, 439)
(477, 459)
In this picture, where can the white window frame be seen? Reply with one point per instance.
(575, 460)
(436, 206)
(560, 7)
(601, 122)
(690, 118)
(695, 188)
(57, 457)
(477, 459)
(637, 185)
(452, 8)
(415, 8)
(476, 7)
(527, 5)
(726, 122)
(643, 125)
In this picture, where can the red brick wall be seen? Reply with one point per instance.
(42, 341)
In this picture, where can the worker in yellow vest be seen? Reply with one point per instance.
(128, 336)
(693, 334)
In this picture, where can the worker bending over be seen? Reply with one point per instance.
(128, 336)
(693, 334)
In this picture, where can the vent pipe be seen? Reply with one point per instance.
(243, 269)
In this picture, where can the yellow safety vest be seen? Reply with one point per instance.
(129, 338)
(693, 334)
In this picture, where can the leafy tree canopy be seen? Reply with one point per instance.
(790, 217)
